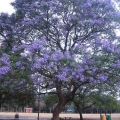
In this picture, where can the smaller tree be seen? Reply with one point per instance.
(84, 99)
(107, 103)
(94, 95)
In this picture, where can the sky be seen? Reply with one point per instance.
(6, 7)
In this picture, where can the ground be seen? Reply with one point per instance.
(47, 116)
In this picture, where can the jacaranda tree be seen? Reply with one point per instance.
(10, 74)
(67, 44)
(4, 69)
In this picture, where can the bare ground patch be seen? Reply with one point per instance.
(62, 115)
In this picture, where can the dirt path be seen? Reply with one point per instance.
(62, 115)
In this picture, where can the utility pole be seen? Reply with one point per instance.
(38, 101)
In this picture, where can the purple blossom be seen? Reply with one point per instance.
(61, 77)
(34, 76)
(102, 77)
(4, 70)
(117, 64)
(36, 45)
(92, 79)
(18, 64)
(65, 40)
(40, 79)
(57, 55)
(67, 54)
(22, 68)
(4, 64)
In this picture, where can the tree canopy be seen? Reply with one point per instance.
(64, 44)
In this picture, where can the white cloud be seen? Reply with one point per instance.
(6, 7)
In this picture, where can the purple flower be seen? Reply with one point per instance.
(18, 64)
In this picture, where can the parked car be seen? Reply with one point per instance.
(70, 110)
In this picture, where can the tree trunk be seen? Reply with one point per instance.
(80, 113)
(63, 100)
(58, 109)
(79, 110)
